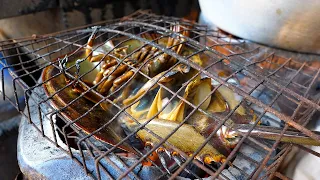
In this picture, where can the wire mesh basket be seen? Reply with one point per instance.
(99, 93)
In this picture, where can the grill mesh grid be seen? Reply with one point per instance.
(288, 82)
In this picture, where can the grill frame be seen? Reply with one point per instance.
(140, 18)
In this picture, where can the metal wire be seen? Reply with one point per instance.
(264, 70)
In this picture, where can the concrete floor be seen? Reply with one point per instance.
(8, 155)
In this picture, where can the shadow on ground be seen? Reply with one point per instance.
(8, 155)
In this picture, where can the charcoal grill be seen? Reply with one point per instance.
(282, 91)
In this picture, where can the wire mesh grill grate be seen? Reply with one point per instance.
(281, 92)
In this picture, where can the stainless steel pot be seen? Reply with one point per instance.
(287, 24)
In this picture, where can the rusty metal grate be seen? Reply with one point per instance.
(281, 92)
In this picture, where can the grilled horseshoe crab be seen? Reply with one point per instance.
(151, 109)
(167, 112)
